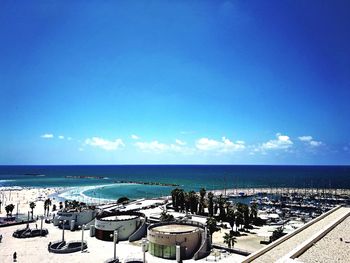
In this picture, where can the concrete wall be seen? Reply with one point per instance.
(80, 218)
(125, 227)
(190, 240)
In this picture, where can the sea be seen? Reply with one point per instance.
(111, 182)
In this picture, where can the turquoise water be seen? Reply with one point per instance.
(188, 177)
(132, 191)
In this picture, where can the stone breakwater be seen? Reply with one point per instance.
(146, 183)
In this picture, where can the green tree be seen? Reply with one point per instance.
(165, 217)
(211, 204)
(202, 194)
(211, 225)
(122, 200)
(9, 209)
(32, 205)
(229, 239)
(276, 234)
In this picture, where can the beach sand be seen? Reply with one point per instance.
(21, 198)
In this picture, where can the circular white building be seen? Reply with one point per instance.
(190, 237)
(126, 223)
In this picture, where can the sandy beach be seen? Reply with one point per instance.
(22, 197)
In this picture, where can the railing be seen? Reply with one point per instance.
(186, 223)
(103, 216)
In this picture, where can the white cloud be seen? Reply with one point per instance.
(105, 144)
(282, 142)
(47, 136)
(179, 142)
(157, 147)
(134, 137)
(225, 145)
(305, 138)
(153, 146)
(315, 143)
(61, 137)
(69, 138)
(310, 141)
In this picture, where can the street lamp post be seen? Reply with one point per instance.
(28, 220)
(115, 240)
(63, 227)
(41, 226)
(144, 248)
(82, 238)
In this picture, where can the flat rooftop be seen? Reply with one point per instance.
(333, 247)
(274, 252)
(175, 228)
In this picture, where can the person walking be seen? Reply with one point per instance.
(15, 257)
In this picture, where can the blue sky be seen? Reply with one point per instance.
(184, 82)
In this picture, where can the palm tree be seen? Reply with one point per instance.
(246, 216)
(175, 198)
(231, 218)
(244, 210)
(187, 201)
(211, 204)
(254, 211)
(32, 206)
(202, 193)
(193, 202)
(239, 219)
(221, 202)
(211, 225)
(229, 239)
(49, 202)
(181, 199)
(45, 206)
